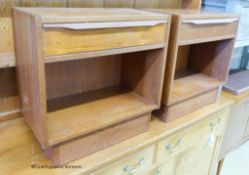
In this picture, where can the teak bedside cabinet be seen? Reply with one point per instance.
(89, 78)
(198, 60)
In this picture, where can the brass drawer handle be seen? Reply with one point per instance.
(132, 169)
(158, 172)
(214, 125)
(172, 148)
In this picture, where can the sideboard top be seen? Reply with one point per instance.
(50, 15)
(23, 145)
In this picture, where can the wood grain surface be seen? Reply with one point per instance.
(7, 58)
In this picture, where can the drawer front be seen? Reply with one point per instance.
(207, 29)
(75, 38)
(184, 139)
(166, 168)
(131, 165)
(197, 160)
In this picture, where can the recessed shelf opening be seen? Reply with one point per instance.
(89, 94)
(200, 68)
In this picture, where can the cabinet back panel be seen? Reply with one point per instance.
(9, 102)
(8, 86)
(212, 58)
(73, 77)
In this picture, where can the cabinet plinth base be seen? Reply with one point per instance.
(174, 111)
(93, 142)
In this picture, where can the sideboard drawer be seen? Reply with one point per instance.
(246, 111)
(133, 164)
(166, 168)
(197, 29)
(68, 38)
(186, 138)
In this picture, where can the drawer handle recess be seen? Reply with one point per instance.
(103, 25)
(132, 169)
(210, 21)
(172, 148)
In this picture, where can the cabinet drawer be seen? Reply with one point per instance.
(184, 139)
(198, 29)
(68, 38)
(132, 164)
(166, 168)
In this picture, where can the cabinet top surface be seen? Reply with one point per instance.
(22, 144)
(184, 13)
(91, 14)
(237, 98)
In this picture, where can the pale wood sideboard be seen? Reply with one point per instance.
(238, 123)
(237, 130)
(189, 144)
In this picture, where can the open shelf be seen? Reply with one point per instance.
(87, 95)
(190, 86)
(58, 103)
(199, 69)
(89, 117)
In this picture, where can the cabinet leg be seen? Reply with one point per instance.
(220, 165)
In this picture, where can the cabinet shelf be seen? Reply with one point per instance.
(189, 86)
(86, 118)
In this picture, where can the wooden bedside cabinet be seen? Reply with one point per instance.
(198, 60)
(89, 78)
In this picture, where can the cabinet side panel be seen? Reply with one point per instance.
(171, 59)
(30, 71)
(143, 72)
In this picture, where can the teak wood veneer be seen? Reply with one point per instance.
(89, 78)
(198, 60)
